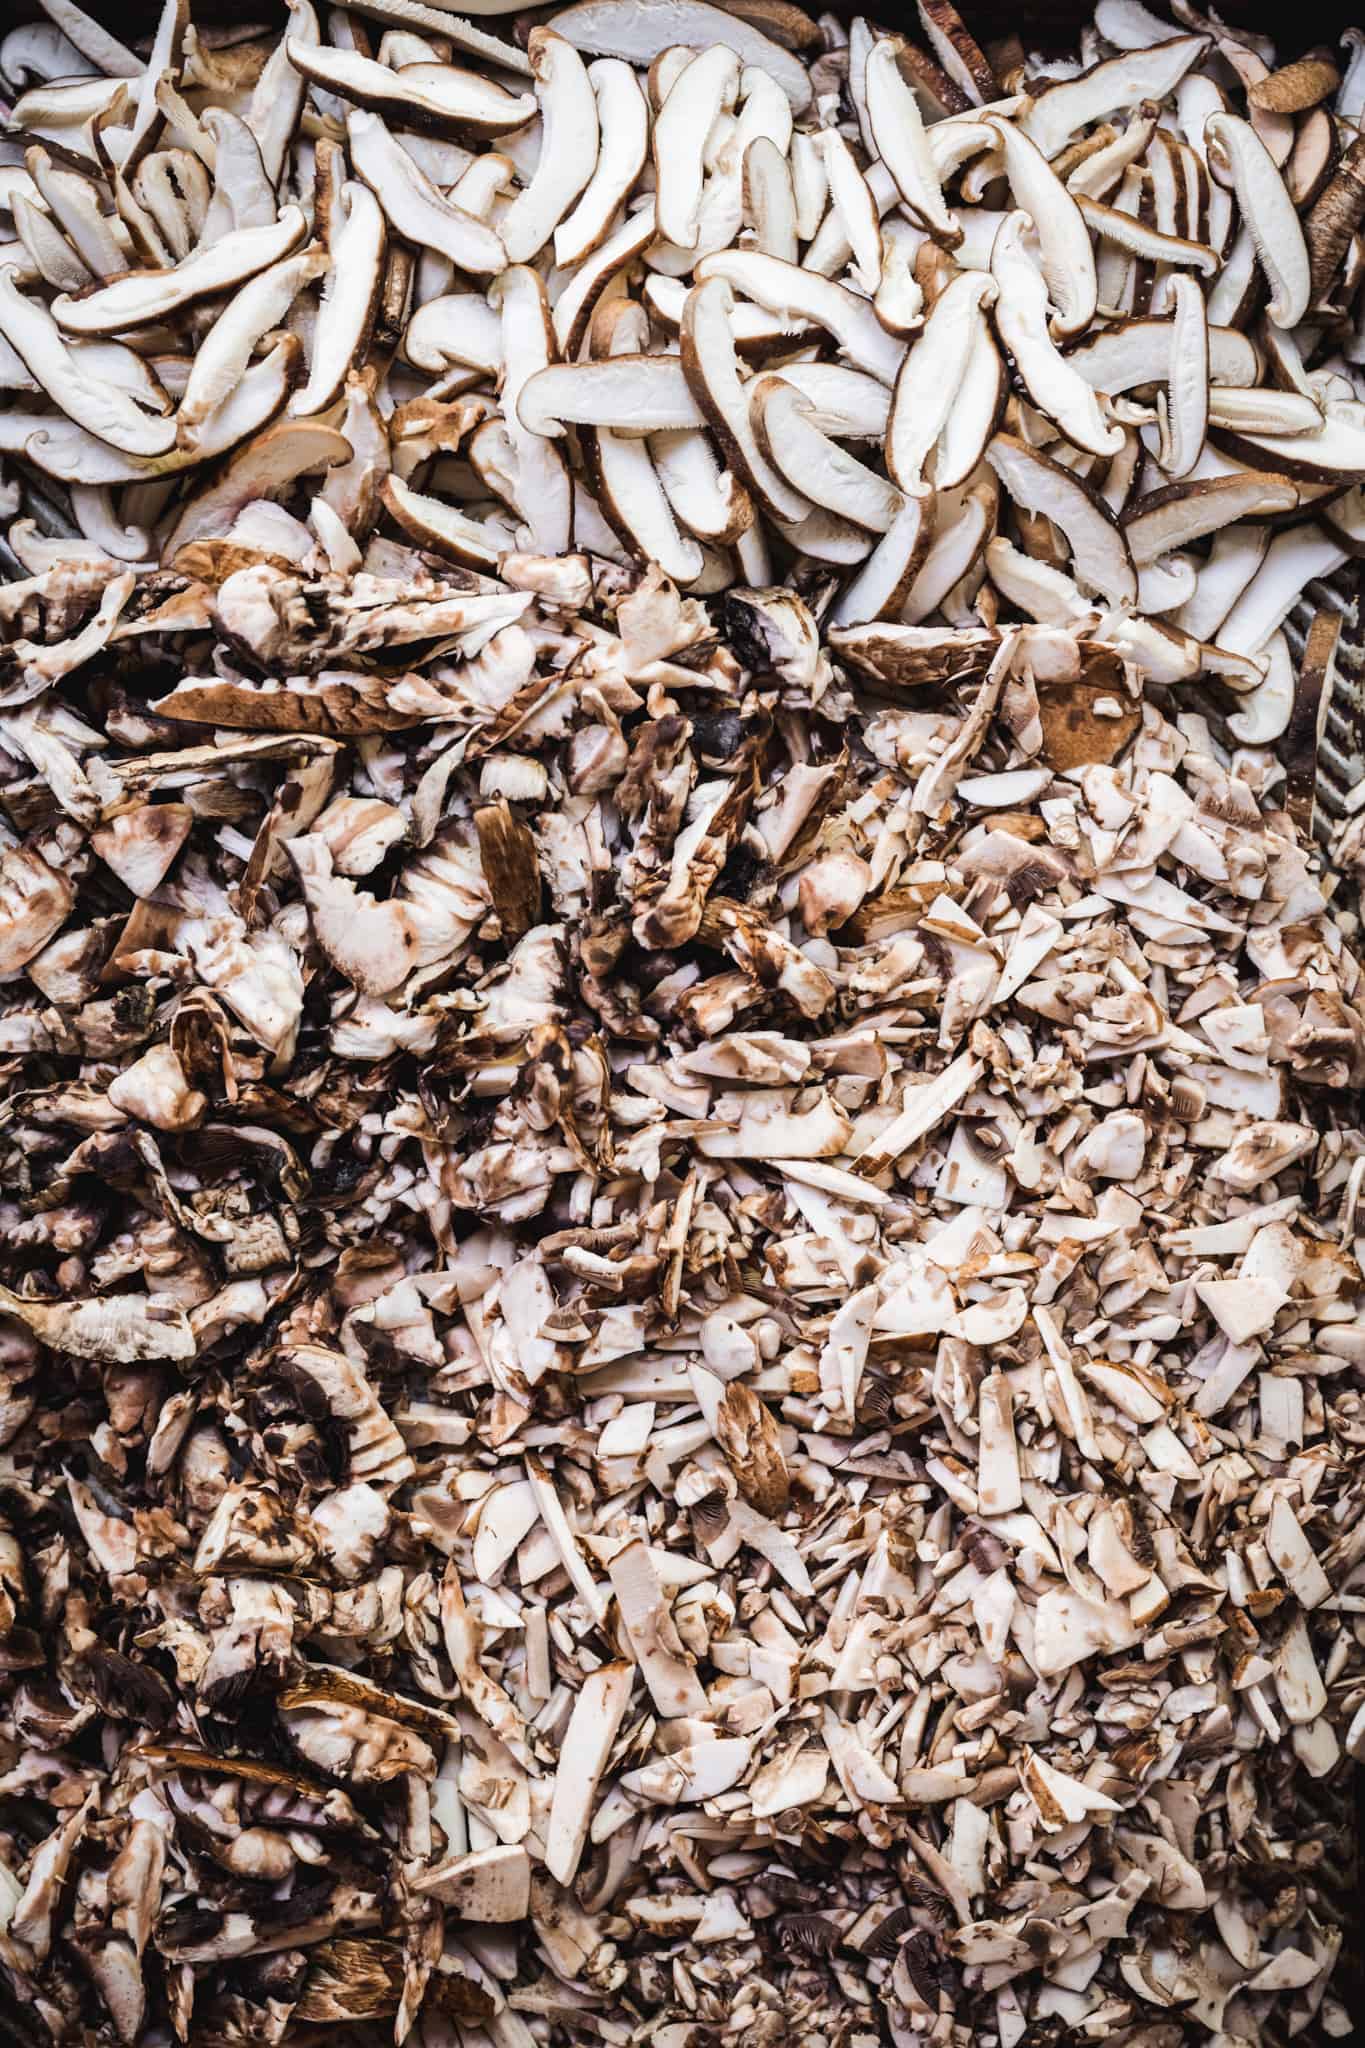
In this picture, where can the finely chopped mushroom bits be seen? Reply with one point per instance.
(681, 1315)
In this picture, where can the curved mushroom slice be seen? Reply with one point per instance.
(574, 307)
(1263, 714)
(1055, 387)
(1235, 556)
(757, 331)
(769, 203)
(141, 297)
(712, 370)
(1113, 87)
(1139, 238)
(931, 375)
(899, 299)
(1169, 519)
(1184, 408)
(98, 406)
(641, 30)
(855, 208)
(707, 499)
(625, 483)
(47, 248)
(262, 467)
(100, 241)
(162, 62)
(1066, 256)
(705, 89)
(413, 206)
(65, 451)
(544, 493)
(797, 295)
(833, 479)
(902, 144)
(444, 529)
(226, 349)
(441, 98)
(460, 328)
(1293, 559)
(356, 242)
(810, 187)
(1268, 212)
(962, 59)
(1256, 410)
(105, 52)
(568, 146)
(1045, 594)
(1099, 551)
(1333, 454)
(636, 394)
(243, 196)
(887, 577)
(623, 124)
(963, 524)
(976, 411)
(1133, 352)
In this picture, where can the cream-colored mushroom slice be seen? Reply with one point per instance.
(440, 97)
(1263, 714)
(496, 51)
(706, 498)
(1183, 408)
(757, 331)
(1113, 87)
(142, 297)
(460, 327)
(544, 492)
(573, 308)
(1233, 559)
(626, 485)
(1268, 213)
(1172, 518)
(931, 375)
(413, 206)
(831, 249)
(1039, 590)
(1132, 352)
(1112, 224)
(888, 575)
(1097, 176)
(1166, 585)
(623, 123)
(261, 468)
(964, 521)
(356, 242)
(976, 411)
(899, 298)
(223, 354)
(276, 102)
(1128, 25)
(1262, 410)
(704, 90)
(1099, 552)
(797, 295)
(1020, 311)
(813, 463)
(162, 59)
(243, 196)
(98, 406)
(961, 57)
(105, 52)
(67, 106)
(1065, 253)
(475, 543)
(640, 30)
(100, 240)
(849, 404)
(594, 1724)
(712, 370)
(1334, 453)
(173, 188)
(634, 393)
(902, 144)
(769, 204)
(1294, 558)
(568, 150)
(952, 144)
(51, 255)
(810, 186)
(855, 208)
(66, 451)
(764, 111)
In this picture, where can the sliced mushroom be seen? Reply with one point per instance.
(461, 328)
(477, 543)
(350, 296)
(413, 206)
(1066, 256)
(1099, 551)
(568, 151)
(142, 297)
(814, 464)
(626, 484)
(1113, 87)
(439, 97)
(267, 464)
(1053, 384)
(623, 123)
(712, 371)
(1170, 519)
(636, 394)
(900, 139)
(707, 499)
(1293, 559)
(1268, 213)
(1185, 408)
(887, 577)
(792, 292)
(1133, 352)
(544, 491)
(98, 406)
(641, 30)
(769, 203)
(226, 349)
(931, 375)
(705, 89)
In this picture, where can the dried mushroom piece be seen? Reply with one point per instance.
(681, 1165)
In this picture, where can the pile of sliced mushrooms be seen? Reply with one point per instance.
(682, 1341)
